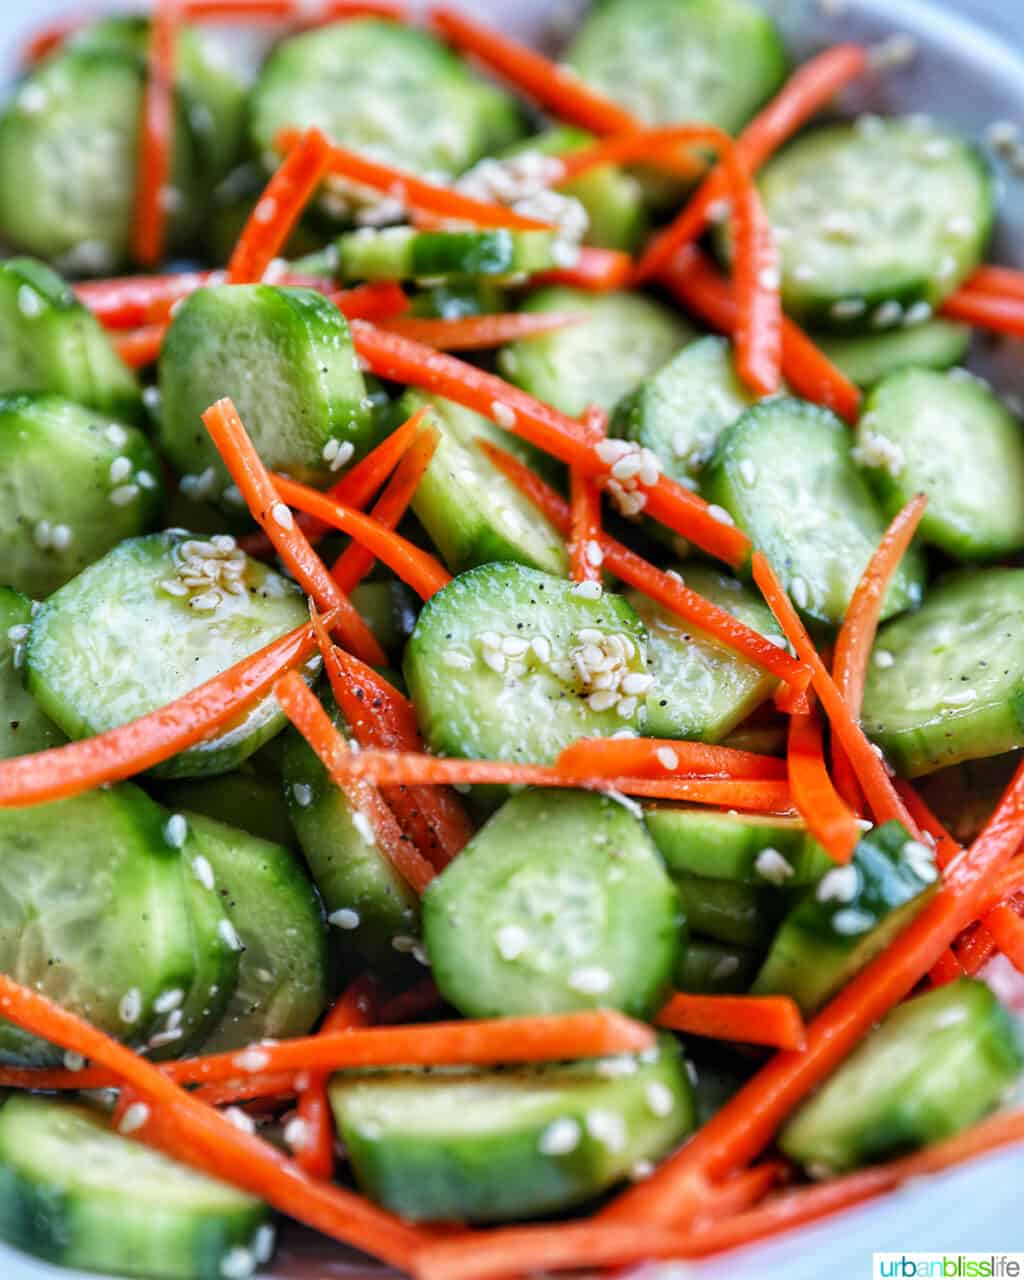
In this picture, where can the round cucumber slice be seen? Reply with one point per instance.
(201, 606)
(514, 927)
(867, 358)
(23, 727)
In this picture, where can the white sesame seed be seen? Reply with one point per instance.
(660, 1099)
(748, 472)
(560, 1137)
(29, 302)
(135, 1116)
(667, 758)
(848, 308)
(237, 1264)
(125, 493)
(897, 50)
(344, 918)
(229, 934)
(607, 1128)
(961, 226)
(403, 943)
(495, 660)
(41, 534)
(917, 314)
(167, 1001)
(296, 1133)
(595, 556)
(769, 278)
(282, 515)
(850, 921)
(265, 1238)
(541, 647)
(511, 941)
(882, 658)
(18, 634)
(163, 1038)
(887, 315)
(636, 683)
(588, 590)
(73, 1061)
(639, 1171)
(240, 1119)
(303, 794)
(798, 590)
(251, 1059)
(772, 866)
(839, 885)
(457, 661)
(203, 872)
(602, 700)
(591, 980)
(962, 698)
(503, 414)
(720, 514)
(120, 469)
(514, 646)
(610, 450)
(129, 1007)
(725, 968)
(364, 827)
(176, 830)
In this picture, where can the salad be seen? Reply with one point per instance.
(513, 643)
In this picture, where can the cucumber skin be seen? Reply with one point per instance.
(716, 968)
(402, 253)
(701, 842)
(728, 911)
(959, 1054)
(868, 358)
(23, 727)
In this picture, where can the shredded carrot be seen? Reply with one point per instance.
(1000, 313)
(422, 997)
(279, 208)
(832, 823)
(156, 136)
(410, 363)
(477, 333)
(1007, 931)
(946, 969)
(594, 271)
(228, 433)
(357, 486)
(46, 39)
(255, 1088)
(656, 757)
(1001, 281)
(355, 562)
(771, 1020)
(141, 347)
(666, 588)
(743, 1191)
(291, 10)
(585, 554)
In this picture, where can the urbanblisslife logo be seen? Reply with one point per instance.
(948, 1266)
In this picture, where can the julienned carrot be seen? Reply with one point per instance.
(477, 333)
(946, 969)
(252, 1089)
(744, 1191)
(829, 819)
(1001, 313)
(809, 89)
(355, 562)
(1003, 282)
(192, 1131)
(417, 568)
(140, 347)
(357, 486)
(1007, 930)
(881, 795)
(353, 1008)
(156, 136)
(228, 433)
(422, 997)
(585, 554)
(279, 208)
(666, 588)
(771, 1020)
(656, 757)
(153, 738)
(304, 710)
(595, 271)
(290, 10)
(691, 278)
(400, 360)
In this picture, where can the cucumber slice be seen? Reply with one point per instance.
(505, 1145)
(702, 690)
(744, 847)
(389, 608)
(23, 727)
(785, 473)
(944, 684)
(402, 253)
(680, 411)
(503, 664)
(850, 916)
(68, 150)
(730, 911)
(52, 528)
(368, 904)
(877, 221)
(625, 337)
(948, 436)
(76, 1193)
(715, 968)
(202, 606)
(869, 357)
(454, 301)
(285, 357)
(471, 511)
(242, 799)
(278, 922)
(50, 342)
(670, 62)
(93, 914)
(935, 1066)
(512, 926)
(391, 91)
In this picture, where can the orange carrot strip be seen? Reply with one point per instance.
(141, 347)
(983, 310)
(252, 1089)
(946, 969)
(290, 10)
(595, 271)
(744, 1191)
(422, 997)
(411, 363)
(772, 1020)
(477, 333)
(156, 136)
(656, 757)
(1000, 281)
(355, 562)
(832, 823)
(279, 208)
(357, 486)
(585, 554)
(275, 519)
(46, 39)
(1007, 931)
(383, 300)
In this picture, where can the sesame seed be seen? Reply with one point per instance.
(240, 1119)
(167, 1001)
(611, 450)
(640, 1170)
(229, 934)
(560, 1137)
(129, 1007)
(588, 590)
(61, 537)
(917, 314)
(769, 278)
(607, 1128)
(772, 866)
(503, 415)
(748, 472)
(961, 226)
(364, 827)
(176, 830)
(850, 921)
(839, 885)
(18, 634)
(403, 943)
(883, 658)
(495, 660)
(541, 647)
(135, 1116)
(602, 700)
(296, 1133)
(203, 872)
(303, 794)
(897, 50)
(120, 469)
(344, 918)
(265, 1238)
(237, 1264)
(457, 661)
(887, 315)
(282, 515)
(848, 308)
(720, 514)
(73, 1061)
(41, 534)
(591, 980)
(667, 758)
(595, 556)
(30, 304)
(660, 1099)
(124, 494)
(251, 1059)
(725, 967)
(798, 590)
(163, 1038)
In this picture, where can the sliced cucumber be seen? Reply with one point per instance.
(944, 684)
(242, 799)
(680, 411)
(504, 1145)
(744, 847)
(869, 357)
(935, 1066)
(389, 608)
(388, 90)
(785, 473)
(851, 915)
(504, 661)
(50, 342)
(877, 221)
(625, 337)
(202, 607)
(52, 528)
(285, 357)
(743, 915)
(708, 967)
(949, 437)
(701, 689)
(23, 727)
(368, 904)
(277, 923)
(454, 301)
(514, 926)
(402, 253)
(75, 1192)
(670, 62)
(472, 512)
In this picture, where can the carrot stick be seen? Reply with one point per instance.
(383, 300)
(408, 362)
(252, 1089)
(355, 562)
(744, 1191)
(141, 347)
(304, 710)
(595, 271)
(1007, 931)
(585, 554)
(275, 519)
(832, 823)
(656, 757)
(946, 969)
(999, 281)
(477, 333)
(156, 136)
(668, 590)
(357, 486)
(983, 310)
(151, 739)
(772, 1020)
